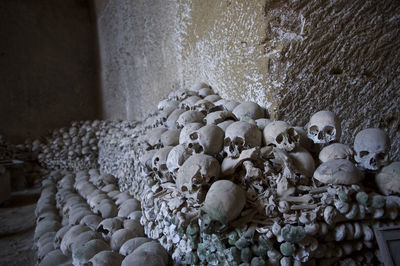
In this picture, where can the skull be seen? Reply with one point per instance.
(335, 151)
(189, 103)
(339, 171)
(166, 104)
(224, 201)
(204, 106)
(198, 86)
(173, 117)
(239, 136)
(388, 179)
(180, 95)
(324, 127)
(187, 130)
(176, 157)
(281, 135)
(212, 98)
(218, 117)
(371, 146)
(250, 110)
(191, 116)
(197, 170)
(226, 104)
(208, 139)
(170, 137)
(159, 160)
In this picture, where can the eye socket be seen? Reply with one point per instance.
(279, 138)
(380, 156)
(329, 130)
(193, 136)
(313, 130)
(363, 153)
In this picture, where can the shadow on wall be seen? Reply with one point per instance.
(48, 71)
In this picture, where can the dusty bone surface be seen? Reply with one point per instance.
(302, 204)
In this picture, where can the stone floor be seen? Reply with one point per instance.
(17, 225)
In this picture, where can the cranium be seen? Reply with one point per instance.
(208, 139)
(388, 179)
(335, 151)
(224, 201)
(166, 104)
(153, 138)
(371, 146)
(134, 226)
(149, 253)
(197, 170)
(91, 221)
(173, 117)
(224, 125)
(239, 136)
(197, 86)
(218, 117)
(106, 209)
(108, 226)
(324, 127)
(159, 160)
(128, 206)
(250, 110)
(55, 257)
(88, 250)
(204, 106)
(226, 104)
(170, 137)
(189, 102)
(181, 94)
(212, 97)
(106, 257)
(281, 135)
(69, 237)
(84, 237)
(176, 157)
(187, 130)
(191, 116)
(204, 92)
(339, 171)
(119, 238)
(303, 161)
(129, 246)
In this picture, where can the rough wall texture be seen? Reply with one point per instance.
(292, 57)
(47, 66)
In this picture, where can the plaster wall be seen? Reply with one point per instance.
(292, 57)
(47, 66)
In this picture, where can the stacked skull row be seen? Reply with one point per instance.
(83, 218)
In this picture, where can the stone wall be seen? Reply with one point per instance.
(47, 66)
(294, 58)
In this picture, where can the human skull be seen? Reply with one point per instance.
(208, 139)
(281, 135)
(197, 170)
(204, 106)
(226, 104)
(218, 117)
(388, 179)
(324, 127)
(180, 95)
(338, 172)
(173, 117)
(250, 110)
(190, 116)
(176, 157)
(224, 201)
(159, 160)
(335, 151)
(170, 137)
(371, 146)
(187, 130)
(166, 104)
(106, 257)
(189, 102)
(239, 136)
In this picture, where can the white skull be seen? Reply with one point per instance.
(204, 92)
(226, 104)
(187, 130)
(189, 102)
(239, 136)
(197, 170)
(224, 201)
(170, 137)
(208, 139)
(191, 116)
(176, 157)
(388, 179)
(166, 104)
(204, 106)
(212, 98)
(371, 146)
(173, 117)
(335, 151)
(181, 94)
(338, 172)
(218, 117)
(159, 160)
(281, 135)
(250, 110)
(324, 127)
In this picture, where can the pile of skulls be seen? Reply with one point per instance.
(83, 218)
(73, 148)
(220, 183)
(115, 151)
